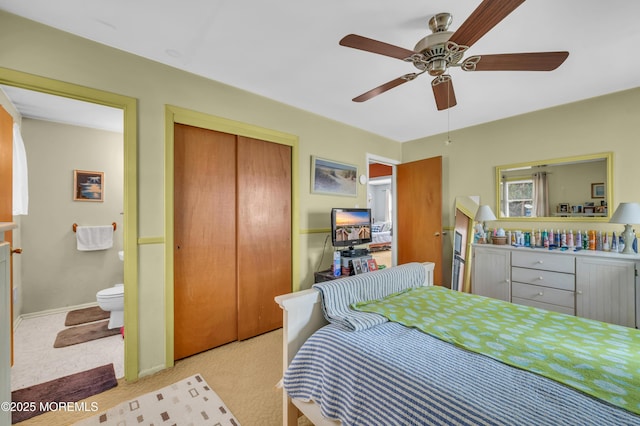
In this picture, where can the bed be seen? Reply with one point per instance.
(380, 236)
(369, 370)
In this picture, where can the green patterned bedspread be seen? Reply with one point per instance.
(599, 359)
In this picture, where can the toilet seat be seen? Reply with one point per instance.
(111, 292)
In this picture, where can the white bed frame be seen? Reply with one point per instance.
(302, 316)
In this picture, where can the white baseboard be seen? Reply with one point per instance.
(150, 371)
(19, 319)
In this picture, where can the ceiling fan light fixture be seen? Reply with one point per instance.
(437, 67)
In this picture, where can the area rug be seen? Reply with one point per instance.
(84, 315)
(84, 333)
(187, 402)
(49, 395)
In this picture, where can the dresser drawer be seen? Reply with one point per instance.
(547, 261)
(547, 306)
(543, 294)
(550, 279)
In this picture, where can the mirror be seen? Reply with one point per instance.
(563, 189)
(465, 211)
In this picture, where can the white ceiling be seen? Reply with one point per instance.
(42, 106)
(288, 50)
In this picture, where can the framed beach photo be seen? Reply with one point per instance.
(333, 178)
(88, 186)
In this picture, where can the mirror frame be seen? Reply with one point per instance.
(607, 156)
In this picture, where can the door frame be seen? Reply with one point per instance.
(177, 115)
(129, 107)
(373, 158)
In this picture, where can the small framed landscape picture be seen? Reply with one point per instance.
(597, 190)
(333, 178)
(88, 186)
(563, 208)
(576, 209)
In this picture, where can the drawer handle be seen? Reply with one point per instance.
(541, 294)
(541, 278)
(540, 262)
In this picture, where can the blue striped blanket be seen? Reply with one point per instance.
(392, 375)
(338, 295)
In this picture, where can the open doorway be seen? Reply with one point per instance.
(82, 126)
(381, 201)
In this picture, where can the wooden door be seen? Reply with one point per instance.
(205, 240)
(264, 234)
(419, 204)
(6, 193)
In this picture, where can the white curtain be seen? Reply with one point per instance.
(20, 176)
(541, 194)
(388, 205)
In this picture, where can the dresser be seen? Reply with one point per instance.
(597, 285)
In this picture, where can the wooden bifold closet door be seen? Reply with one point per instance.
(232, 232)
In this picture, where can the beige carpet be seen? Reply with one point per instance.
(187, 402)
(244, 374)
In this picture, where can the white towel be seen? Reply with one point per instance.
(94, 237)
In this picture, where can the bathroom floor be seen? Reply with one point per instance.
(37, 361)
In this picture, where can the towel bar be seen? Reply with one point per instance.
(75, 226)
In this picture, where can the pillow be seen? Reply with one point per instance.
(338, 295)
(376, 228)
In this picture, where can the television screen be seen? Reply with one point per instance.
(350, 227)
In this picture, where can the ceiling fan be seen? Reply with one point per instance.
(442, 49)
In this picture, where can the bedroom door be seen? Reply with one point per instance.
(419, 205)
(6, 194)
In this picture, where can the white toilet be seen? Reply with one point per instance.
(112, 300)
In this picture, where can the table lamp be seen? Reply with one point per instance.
(483, 214)
(627, 213)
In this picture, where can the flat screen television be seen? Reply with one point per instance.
(350, 227)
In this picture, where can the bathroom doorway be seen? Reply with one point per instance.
(381, 201)
(25, 83)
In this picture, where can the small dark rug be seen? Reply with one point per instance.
(84, 333)
(72, 388)
(81, 316)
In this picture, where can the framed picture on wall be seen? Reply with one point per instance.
(597, 190)
(88, 186)
(333, 178)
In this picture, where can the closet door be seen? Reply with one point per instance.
(264, 234)
(419, 205)
(205, 278)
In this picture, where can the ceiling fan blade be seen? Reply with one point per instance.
(375, 46)
(383, 88)
(541, 61)
(484, 18)
(443, 92)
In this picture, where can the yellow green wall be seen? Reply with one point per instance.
(602, 124)
(32, 48)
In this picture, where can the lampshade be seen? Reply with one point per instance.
(626, 213)
(485, 213)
